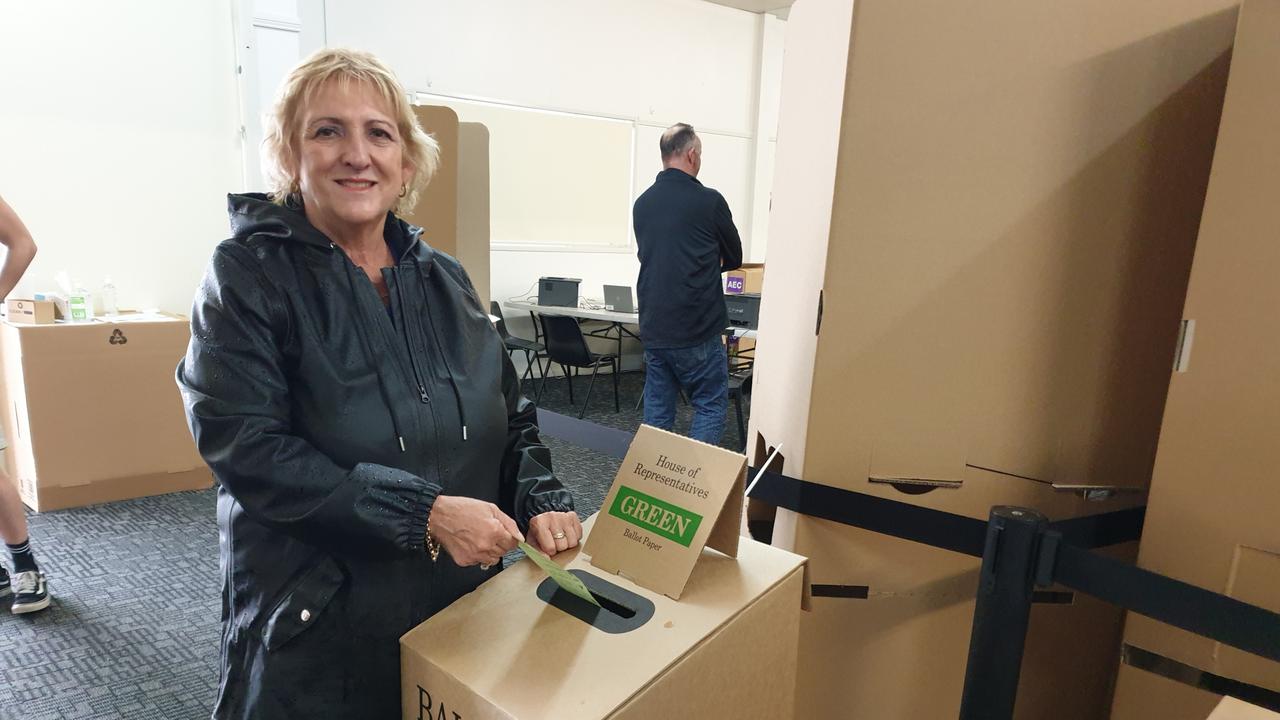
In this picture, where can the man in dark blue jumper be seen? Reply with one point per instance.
(686, 237)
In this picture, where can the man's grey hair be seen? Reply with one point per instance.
(676, 139)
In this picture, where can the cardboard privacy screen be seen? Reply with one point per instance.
(672, 496)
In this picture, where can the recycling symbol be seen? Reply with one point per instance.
(117, 338)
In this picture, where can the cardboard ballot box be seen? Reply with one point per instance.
(93, 414)
(518, 648)
(726, 649)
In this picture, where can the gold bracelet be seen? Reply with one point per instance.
(433, 547)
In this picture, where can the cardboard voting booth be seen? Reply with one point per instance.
(1212, 518)
(453, 210)
(976, 303)
(519, 648)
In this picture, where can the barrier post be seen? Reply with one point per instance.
(1002, 613)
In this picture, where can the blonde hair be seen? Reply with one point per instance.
(281, 125)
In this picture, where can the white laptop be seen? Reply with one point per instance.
(618, 298)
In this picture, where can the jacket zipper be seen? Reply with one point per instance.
(418, 373)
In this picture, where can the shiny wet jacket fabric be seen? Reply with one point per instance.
(331, 425)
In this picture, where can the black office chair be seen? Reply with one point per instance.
(532, 349)
(567, 347)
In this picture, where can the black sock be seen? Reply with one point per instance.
(23, 560)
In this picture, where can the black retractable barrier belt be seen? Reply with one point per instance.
(607, 440)
(1111, 528)
(1170, 601)
(889, 517)
(1200, 611)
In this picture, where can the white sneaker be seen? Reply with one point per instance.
(30, 593)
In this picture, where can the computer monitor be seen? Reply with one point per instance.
(558, 291)
(618, 298)
(743, 310)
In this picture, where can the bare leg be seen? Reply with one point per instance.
(13, 520)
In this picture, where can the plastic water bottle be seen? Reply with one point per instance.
(109, 298)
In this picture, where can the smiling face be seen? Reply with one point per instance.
(351, 162)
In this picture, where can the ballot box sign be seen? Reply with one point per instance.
(735, 285)
(649, 513)
(672, 497)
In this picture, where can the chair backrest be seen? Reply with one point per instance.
(564, 340)
(496, 310)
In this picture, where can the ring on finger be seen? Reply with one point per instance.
(558, 535)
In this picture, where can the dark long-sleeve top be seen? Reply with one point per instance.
(686, 238)
(331, 427)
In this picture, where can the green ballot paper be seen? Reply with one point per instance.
(563, 578)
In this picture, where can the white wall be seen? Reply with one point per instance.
(656, 62)
(123, 125)
(120, 140)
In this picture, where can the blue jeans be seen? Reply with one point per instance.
(703, 372)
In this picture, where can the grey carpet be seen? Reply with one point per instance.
(133, 629)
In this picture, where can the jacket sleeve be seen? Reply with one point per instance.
(527, 479)
(235, 387)
(730, 243)
(529, 487)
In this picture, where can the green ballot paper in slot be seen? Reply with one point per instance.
(562, 577)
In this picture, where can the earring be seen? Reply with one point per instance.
(404, 190)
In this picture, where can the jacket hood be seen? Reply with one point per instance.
(255, 214)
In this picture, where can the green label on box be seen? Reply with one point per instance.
(654, 515)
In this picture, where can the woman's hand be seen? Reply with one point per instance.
(472, 531)
(552, 532)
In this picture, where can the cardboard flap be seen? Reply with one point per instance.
(725, 533)
(671, 498)
(916, 482)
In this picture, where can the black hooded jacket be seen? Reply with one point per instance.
(331, 426)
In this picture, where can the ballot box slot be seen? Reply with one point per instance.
(620, 609)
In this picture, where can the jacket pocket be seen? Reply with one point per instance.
(302, 606)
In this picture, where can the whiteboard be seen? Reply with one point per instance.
(557, 180)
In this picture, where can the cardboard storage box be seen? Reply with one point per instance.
(747, 279)
(726, 648)
(1215, 495)
(30, 312)
(989, 213)
(93, 413)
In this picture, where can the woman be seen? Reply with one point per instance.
(374, 455)
(28, 588)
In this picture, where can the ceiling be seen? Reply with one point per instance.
(781, 8)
